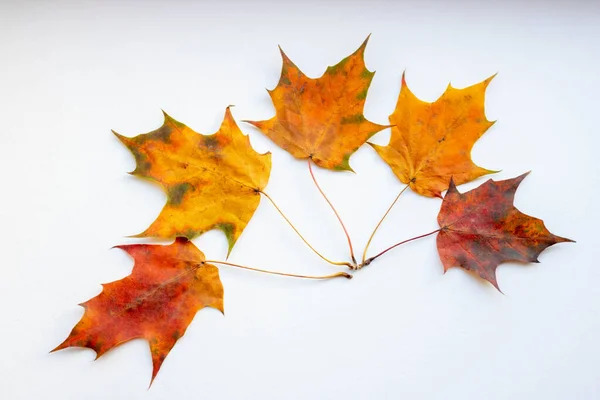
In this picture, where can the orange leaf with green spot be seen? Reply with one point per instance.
(481, 229)
(211, 181)
(322, 118)
(157, 302)
(432, 142)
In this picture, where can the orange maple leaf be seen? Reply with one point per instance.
(432, 142)
(211, 181)
(157, 302)
(322, 119)
(481, 229)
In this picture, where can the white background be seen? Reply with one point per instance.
(401, 329)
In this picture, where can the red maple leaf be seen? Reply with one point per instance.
(157, 302)
(481, 229)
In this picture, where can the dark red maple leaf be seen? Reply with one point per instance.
(481, 229)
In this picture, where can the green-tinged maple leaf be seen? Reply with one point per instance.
(211, 181)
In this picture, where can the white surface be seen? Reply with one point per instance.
(401, 329)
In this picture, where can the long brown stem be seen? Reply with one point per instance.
(302, 237)
(364, 256)
(334, 211)
(370, 259)
(337, 274)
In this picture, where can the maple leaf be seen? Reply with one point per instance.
(211, 181)
(322, 119)
(481, 229)
(157, 302)
(431, 142)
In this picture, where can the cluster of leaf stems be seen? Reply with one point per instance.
(353, 265)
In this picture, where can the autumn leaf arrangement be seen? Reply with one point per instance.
(217, 181)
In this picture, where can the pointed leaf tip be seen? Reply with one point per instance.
(228, 116)
(518, 179)
(363, 46)
(452, 185)
(122, 139)
(283, 55)
(167, 118)
(489, 79)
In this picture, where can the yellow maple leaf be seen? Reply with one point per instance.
(432, 142)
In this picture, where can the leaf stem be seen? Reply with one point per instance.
(302, 237)
(364, 256)
(370, 259)
(337, 274)
(334, 211)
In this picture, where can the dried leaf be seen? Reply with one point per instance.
(322, 118)
(211, 181)
(432, 142)
(481, 229)
(157, 302)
